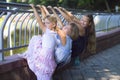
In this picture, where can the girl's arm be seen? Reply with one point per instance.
(70, 15)
(64, 14)
(43, 13)
(56, 15)
(60, 32)
(41, 24)
(74, 19)
(45, 10)
(62, 36)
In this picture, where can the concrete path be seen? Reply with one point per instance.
(102, 66)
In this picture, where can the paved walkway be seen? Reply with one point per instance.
(102, 66)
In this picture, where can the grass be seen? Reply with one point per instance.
(1, 20)
(16, 51)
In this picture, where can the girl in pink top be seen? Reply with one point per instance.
(40, 52)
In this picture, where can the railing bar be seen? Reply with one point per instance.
(39, 29)
(28, 24)
(25, 30)
(118, 21)
(34, 27)
(13, 11)
(107, 22)
(74, 11)
(62, 18)
(15, 30)
(2, 14)
(6, 49)
(9, 30)
(1, 37)
(20, 31)
(30, 29)
(80, 13)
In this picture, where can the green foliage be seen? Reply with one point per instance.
(34, 1)
(18, 1)
(10, 0)
(86, 4)
(107, 5)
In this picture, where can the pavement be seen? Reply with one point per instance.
(104, 65)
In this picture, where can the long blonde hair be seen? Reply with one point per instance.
(52, 19)
(91, 47)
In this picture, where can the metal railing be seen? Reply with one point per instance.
(18, 25)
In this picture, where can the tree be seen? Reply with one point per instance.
(99, 5)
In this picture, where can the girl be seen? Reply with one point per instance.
(86, 41)
(40, 53)
(63, 53)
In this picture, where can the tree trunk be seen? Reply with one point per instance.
(107, 6)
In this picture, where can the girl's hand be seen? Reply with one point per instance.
(39, 6)
(55, 7)
(32, 5)
(60, 8)
(49, 7)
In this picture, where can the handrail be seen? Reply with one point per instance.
(81, 11)
(17, 7)
(14, 11)
(9, 4)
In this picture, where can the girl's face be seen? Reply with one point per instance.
(84, 21)
(49, 24)
(67, 29)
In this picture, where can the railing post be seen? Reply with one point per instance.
(1, 52)
(116, 8)
(1, 35)
(107, 22)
